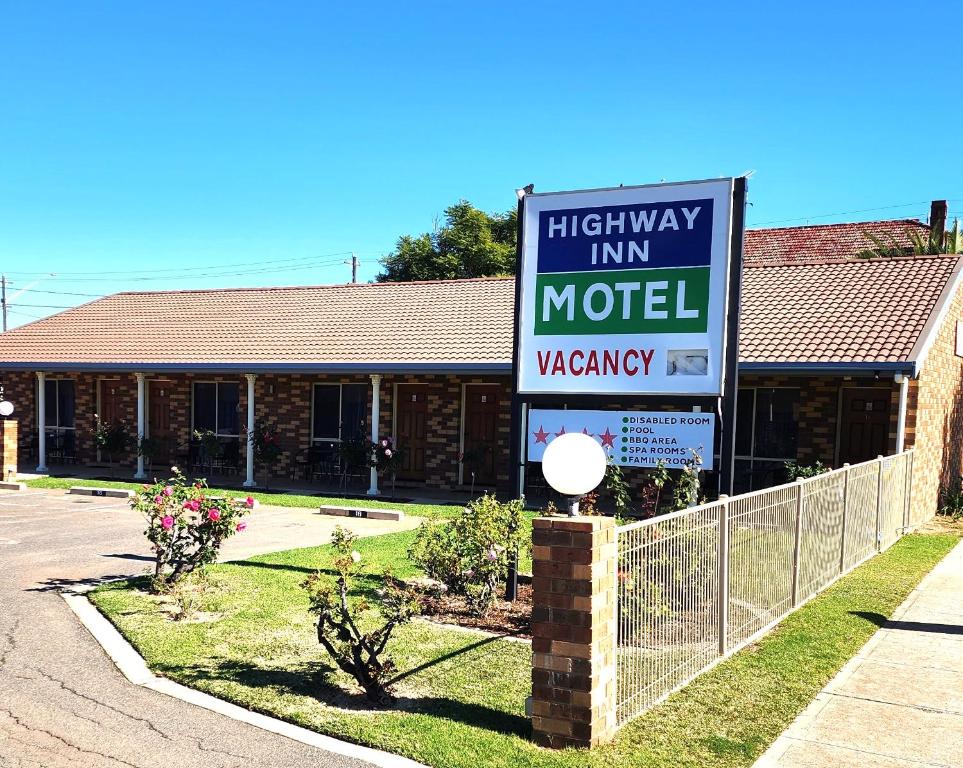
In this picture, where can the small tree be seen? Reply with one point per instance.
(266, 442)
(386, 459)
(355, 651)
(472, 553)
(111, 438)
(185, 526)
(149, 447)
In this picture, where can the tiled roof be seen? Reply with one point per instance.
(438, 322)
(856, 310)
(823, 242)
(852, 311)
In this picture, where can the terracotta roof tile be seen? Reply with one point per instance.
(840, 311)
(858, 310)
(823, 242)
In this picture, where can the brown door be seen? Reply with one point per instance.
(864, 431)
(412, 413)
(109, 401)
(159, 418)
(481, 422)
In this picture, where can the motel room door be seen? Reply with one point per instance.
(159, 418)
(412, 416)
(481, 425)
(864, 432)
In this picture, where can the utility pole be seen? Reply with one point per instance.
(354, 267)
(3, 299)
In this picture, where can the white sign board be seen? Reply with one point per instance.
(624, 291)
(631, 438)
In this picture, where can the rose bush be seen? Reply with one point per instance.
(185, 525)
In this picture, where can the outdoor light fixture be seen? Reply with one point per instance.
(574, 464)
(6, 407)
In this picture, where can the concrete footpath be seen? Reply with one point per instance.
(899, 702)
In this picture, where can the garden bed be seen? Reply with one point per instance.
(504, 618)
(461, 694)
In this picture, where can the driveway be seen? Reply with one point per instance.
(62, 701)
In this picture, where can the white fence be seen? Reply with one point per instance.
(682, 607)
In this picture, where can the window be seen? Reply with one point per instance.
(767, 435)
(59, 405)
(339, 411)
(216, 406)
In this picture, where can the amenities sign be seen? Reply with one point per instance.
(631, 438)
(623, 290)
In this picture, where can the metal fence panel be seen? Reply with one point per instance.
(696, 585)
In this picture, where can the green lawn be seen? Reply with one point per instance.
(274, 499)
(462, 695)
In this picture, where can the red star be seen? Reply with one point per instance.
(607, 438)
(541, 436)
(560, 432)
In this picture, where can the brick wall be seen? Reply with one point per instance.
(934, 423)
(283, 401)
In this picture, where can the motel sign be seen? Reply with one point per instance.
(624, 291)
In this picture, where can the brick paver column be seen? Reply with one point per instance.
(9, 429)
(573, 631)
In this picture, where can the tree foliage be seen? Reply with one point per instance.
(471, 243)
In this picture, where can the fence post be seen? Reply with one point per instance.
(797, 542)
(907, 501)
(723, 574)
(879, 506)
(842, 535)
(574, 630)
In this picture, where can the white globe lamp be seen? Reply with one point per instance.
(574, 464)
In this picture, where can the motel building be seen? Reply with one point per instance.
(841, 359)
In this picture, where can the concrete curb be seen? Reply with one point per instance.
(134, 668)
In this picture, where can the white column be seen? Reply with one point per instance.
(249, 482)
(375, 418)
(141, 422)
(41, 420)
(903, 381)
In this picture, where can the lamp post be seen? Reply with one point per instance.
(574, 464)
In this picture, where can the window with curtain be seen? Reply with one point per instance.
(216, 407)
(339, 411)
(59, 406)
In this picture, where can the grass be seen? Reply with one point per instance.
(462, 695)
(434, 511)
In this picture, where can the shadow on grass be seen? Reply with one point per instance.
(913, 626)
(313, 681)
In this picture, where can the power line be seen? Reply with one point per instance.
(165, 270)
(847, 213)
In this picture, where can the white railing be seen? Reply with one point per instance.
(682, 607)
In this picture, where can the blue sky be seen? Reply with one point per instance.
(280, 135)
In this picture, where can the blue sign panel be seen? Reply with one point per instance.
(669, 234)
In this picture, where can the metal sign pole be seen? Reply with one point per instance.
(727, 445)
(515, 435)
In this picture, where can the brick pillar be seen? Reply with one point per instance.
(573, 631)
(9, 429)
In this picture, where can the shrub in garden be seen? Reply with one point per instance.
(340, 620)
(471, 554)
(386, 459)
(795, 470)
(185, 525)
(266, 443)
(112, 438)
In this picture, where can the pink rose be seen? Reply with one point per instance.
(195, 505)
(387, 453)
(158, 499)
(250, 502)
(384, 443)
(492, 554)
(167, 522)
(168, 491)
(213, 515)
(240, 527)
